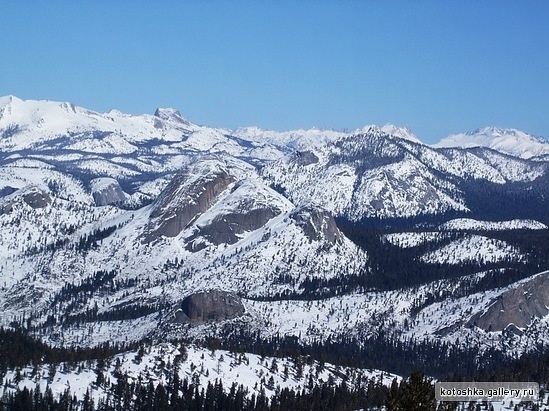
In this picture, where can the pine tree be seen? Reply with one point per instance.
(417, 394)
(392, 402)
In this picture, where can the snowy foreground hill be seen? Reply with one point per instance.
(355, 253)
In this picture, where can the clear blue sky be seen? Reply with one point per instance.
(438, 67)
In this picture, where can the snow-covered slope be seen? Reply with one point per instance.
(473, 248)
(377, 175)
(206, 230)
(109, 221)
(470, 224)
(372, 172)
(509, 141)
(256, 375)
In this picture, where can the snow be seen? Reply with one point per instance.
(470, 224)
(100, 184)
(196, 364)
(64, 151)
(509, 141)
(411, 239)
(400, 132)
(472, 248)
(314, 138)
(111, 144)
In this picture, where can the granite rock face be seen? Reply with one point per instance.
(247, 207)
(6, 191)
(169, 114)
(107, 191)
(188, 195)
(226, 229)
(32, 196)
(516, 308)
(317, 224)
(305, 158)
(209, 306)
(37, 198)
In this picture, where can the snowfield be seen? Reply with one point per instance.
(197, 365)
(263, 215)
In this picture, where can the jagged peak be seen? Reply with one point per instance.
(170, 114)
(390, 129)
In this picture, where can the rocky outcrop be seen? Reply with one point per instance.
(164, 115)
(32, 196)
(6, 207)
(516, 308)
(106, 191)
(37, 198)
(317, 224)
(188, 195)
(6, 191)
(209, 306)
(225, 229)
(305, 158)
(248, 207)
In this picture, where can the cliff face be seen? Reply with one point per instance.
(188, 195)
(516, 308)
(226, 229)
(317, 224)
(206, 306)
(107, 191)
(247, 207)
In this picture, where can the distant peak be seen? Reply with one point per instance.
(506, 140)
(401, 132)
(392, 130)
(170, 114)
(495, 131)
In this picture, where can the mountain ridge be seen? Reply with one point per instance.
(509, 141)
(109, 222)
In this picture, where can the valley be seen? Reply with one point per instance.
(363, 256)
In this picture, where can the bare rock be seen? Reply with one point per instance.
(31, 195)
(305, 158)
(317, 224)
(6, 191)
(107, 191)
(210, 306)
(226, 229)
(37, 198)
(248, 207)
(516, 308)
(188, 195)
(169, 114)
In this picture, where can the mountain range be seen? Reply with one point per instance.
(122, 228)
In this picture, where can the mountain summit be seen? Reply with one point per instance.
(367, 247)
(505, 140)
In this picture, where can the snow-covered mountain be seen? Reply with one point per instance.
(505, 140)
(374, 174)
(120, 228)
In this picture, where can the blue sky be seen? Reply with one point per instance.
(438, 67)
